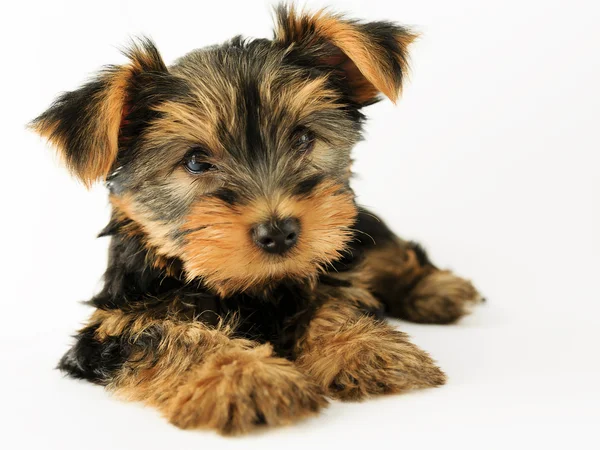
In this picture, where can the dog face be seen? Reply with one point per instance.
(236, 159)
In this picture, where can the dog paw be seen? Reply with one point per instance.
(369, 358)
(441, 297)
(235, 391)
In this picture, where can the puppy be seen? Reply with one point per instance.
(244, 285)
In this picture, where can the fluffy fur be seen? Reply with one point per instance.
(196, 318)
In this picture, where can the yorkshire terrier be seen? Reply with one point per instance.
(244, 285)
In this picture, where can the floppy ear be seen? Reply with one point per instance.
(84, 124)
(371, 57)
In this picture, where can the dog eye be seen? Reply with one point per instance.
(304, 140)
(194, 162)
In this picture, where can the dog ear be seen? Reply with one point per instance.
(84, 124)
(371, 57)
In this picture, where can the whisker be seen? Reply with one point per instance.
(367, 213)
(366, 234)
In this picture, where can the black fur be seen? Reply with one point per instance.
(306, 186)
(278, 316)
(229, 196)
(279, 313)
(73, 113)
(92, 360)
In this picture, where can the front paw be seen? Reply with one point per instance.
(366, 358)
(235, 391)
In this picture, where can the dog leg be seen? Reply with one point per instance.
(400, 274)
(197, 376)
(353, 355)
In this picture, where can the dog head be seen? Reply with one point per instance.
(236, 159)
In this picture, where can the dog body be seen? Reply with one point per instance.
(244, 284)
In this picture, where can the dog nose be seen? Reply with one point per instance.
(277, 236)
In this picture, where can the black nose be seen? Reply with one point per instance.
(276, 236)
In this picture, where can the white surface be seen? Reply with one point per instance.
(491, 160)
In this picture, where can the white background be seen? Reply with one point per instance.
(490, 159)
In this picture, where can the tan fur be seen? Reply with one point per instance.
(246, 112)
(102, 134)
(217, 245)
(198, 122)
(441, 297)
(360, 50)
(302, 97)
(411, 290)
(220, 249)
(394, 260)
(236, 390)
(155, 234)
(185, 125)
(369, 69)
(353, 356)
(202, 377)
